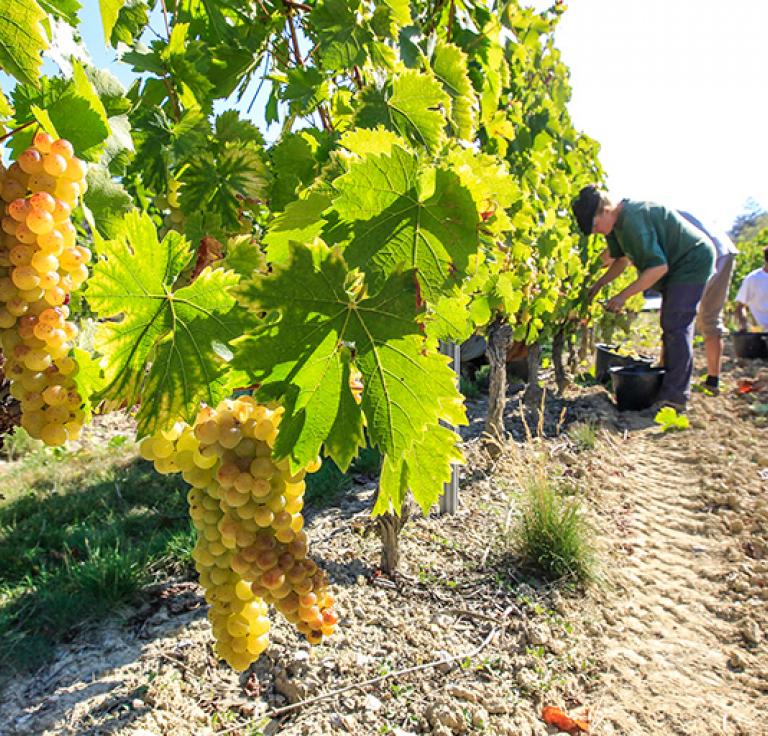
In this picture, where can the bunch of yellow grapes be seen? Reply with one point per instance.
(251, 550)
(40, 265)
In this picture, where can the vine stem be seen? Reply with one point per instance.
(165, 18)
(381, 678)
(324, 115)
(16, 130)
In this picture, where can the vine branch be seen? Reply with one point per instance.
(16, 130)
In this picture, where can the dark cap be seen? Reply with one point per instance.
(585, 206)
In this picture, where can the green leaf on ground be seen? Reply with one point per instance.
(668, 419)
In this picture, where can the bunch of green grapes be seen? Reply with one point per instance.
(40, 265)
(251, 550)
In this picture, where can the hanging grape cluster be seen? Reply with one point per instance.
(40, 265)
(251, 550)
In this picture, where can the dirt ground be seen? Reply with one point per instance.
(670, 640)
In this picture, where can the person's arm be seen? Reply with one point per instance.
(644, 281)
(741, 316)
(742, 302)
(615, 269)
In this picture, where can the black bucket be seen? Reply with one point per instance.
(750, 344)
(606, 358)
(636, 386)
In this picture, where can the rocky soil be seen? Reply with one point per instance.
(670, 640)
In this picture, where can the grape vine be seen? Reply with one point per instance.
(417, 191)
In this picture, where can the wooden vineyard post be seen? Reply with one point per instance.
(449, 501)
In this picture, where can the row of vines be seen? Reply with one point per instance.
(414, 188)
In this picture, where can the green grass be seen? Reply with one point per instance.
(583, 435)
(552, 537)
(18, 445)
(80, 534)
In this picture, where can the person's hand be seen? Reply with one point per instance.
(616, 303)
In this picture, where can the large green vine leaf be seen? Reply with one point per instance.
(163, 349)
(404, 215)
(110, 10)
(319, 318)
(416, 106)
(22, 40)
(224, 181)
(72, 106)
(343, 39)
(449, 65)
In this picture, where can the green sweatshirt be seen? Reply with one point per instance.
(652, 235)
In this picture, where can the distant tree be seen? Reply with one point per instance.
(750, 222)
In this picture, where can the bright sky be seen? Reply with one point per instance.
(674, 90)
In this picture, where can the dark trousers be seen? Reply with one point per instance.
(678, 312)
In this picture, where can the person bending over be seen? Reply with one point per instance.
(753, 293)
(670, 255)
(709, 319)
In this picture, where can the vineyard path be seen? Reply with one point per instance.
(669, 648)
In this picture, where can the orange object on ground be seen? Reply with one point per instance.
(553, 716)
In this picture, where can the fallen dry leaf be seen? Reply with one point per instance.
(553, 716)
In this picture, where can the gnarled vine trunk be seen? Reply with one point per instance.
(499, 335)
(532, 396)
(388, 527)
(558, 348)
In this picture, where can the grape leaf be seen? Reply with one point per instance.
(222, 179)
(301, 222)
(295, 159)
(22, 40)
(415, 107)
(389, 16)
(243, 256)
(424, 470)
(406, 216)
(110, 9)
(305, 90)
(5, 107)
(164, 349)
(362, 141)
(449, 318)
(319, 315)
(449, 65)
(131, 21)
(342, 39)
(347, 435)
(88, 379)
(64, 9)
(73, 108)
(107, 200)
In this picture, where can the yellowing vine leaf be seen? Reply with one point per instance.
(22, 40)
(404, 215)
(163, 349)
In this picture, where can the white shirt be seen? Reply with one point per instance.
(723, 244)
(754, 293)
